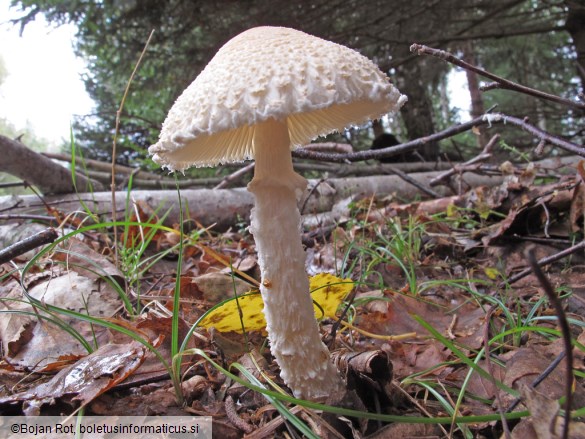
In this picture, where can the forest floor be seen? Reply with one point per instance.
(443, 325)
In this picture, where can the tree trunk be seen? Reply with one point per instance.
(477, 108)
(575, 25)
(50, 177)
(416, 113)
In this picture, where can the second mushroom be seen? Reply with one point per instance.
(266, 92)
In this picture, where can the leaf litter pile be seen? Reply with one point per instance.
(431, 310)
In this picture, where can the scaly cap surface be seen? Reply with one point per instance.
(271, 72)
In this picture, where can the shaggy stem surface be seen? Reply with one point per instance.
(292, 328)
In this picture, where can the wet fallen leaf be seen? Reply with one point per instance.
(328, 292)
(15, 327)
(478, 385)
(84, 380)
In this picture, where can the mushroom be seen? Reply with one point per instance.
(266, 92)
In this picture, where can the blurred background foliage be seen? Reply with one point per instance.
(538, 43)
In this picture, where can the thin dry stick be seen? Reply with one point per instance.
(537, 132)
(235, 176)
(404, 176)
(114, 144)
(232, 415)
(17, 216)
(565, 331)
(13, 184)
(311, 191)
(390, 151)
(485, 154)
(34, 241)
(544, 261)
(539, 379)
(502, 82)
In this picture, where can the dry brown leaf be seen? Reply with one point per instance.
(577, 210)
(544, 422)
(216, 287)
(15, 328)
(81, 258)
(524, 365)
(410, 431)
(142, 213)
(46, 342)
(478, 385)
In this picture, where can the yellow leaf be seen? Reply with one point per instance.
(491, 272)
(226, 316)
(327, 290)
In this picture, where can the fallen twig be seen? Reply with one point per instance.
(8, 217)
(37, 240)
(329, 147)
(101, 166)
(544, 261)
(232, 415)
(539, 379)
(485, 154)
(13, 184)
(415, 183)
(158, 182)
(235, 176)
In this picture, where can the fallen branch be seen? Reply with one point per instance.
(485, 119)
(329, 147)
(50, 177)
(101, 166)
(101, 171)
(224, 207)
(405, 177)
(157, 183)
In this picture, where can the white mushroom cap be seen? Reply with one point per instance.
(271, 73)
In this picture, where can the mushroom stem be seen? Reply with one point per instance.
(292, 328)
